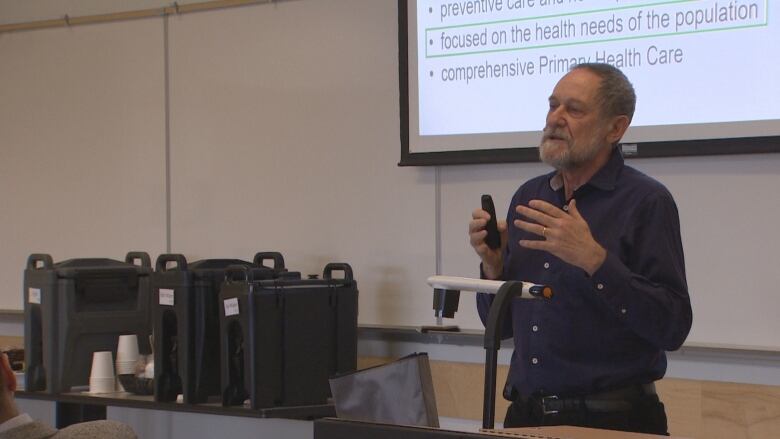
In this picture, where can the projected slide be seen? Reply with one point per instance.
(485, 68)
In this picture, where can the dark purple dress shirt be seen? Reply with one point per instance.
(611, 329)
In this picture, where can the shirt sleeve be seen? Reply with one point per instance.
(647, 290)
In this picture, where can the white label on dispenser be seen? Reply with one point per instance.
(34, 296)
(231, 307)
(166, 297)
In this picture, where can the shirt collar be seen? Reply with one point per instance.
(604, 179)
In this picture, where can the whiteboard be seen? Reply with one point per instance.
(284, 136)
(82, 149)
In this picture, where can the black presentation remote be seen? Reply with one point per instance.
(493, 239)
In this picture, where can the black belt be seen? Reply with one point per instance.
(617, 400)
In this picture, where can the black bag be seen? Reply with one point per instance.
(400, 393)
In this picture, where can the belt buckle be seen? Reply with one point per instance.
(544, 405)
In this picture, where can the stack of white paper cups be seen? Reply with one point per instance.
(101, 377)
(127, 354)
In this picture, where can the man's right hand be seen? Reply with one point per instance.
(492, 259)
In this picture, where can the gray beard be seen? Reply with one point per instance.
(569, 159)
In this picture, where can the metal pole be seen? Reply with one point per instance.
(493, 333)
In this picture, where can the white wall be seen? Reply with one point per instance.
(82, 145)
(284, 128)
(284, 136)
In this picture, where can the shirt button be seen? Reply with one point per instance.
(535, 328)
(546, 265)
(566, 207)
(535, 360)
(600, 286)
(623, 310)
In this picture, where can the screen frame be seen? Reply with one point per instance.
(674, 148)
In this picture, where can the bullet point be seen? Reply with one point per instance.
(430, 42)
(431, 73)
(430, 10)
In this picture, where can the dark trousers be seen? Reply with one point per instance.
(646, 415)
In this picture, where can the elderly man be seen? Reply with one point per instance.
(607, 239)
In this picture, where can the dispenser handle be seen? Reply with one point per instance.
(162, 261)
(146, 261)
(327, 273)
(277, 257)
(33, 259)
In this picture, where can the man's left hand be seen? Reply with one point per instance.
(566, 234)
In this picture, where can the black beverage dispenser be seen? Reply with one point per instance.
(79, 306)
(186, 322)
(283, 338)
